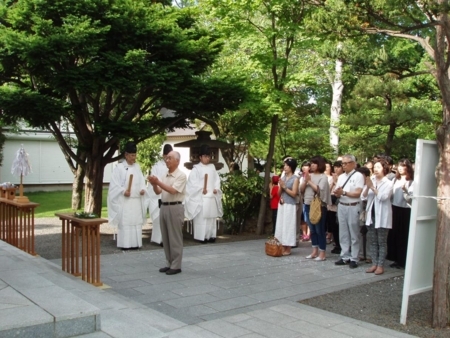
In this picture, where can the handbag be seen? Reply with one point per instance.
(334, 200)
(315, 210)
(274, 248)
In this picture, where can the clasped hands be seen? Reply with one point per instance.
(153, 180)
(127, 193)
(338, 192)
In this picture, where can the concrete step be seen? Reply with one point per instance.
(33, 305)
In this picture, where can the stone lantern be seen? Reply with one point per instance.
(203, 137)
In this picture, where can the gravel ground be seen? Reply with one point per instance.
(378, 303)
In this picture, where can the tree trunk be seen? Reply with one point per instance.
(94, 179)
(77, 188)
(390, 139)
(265, 194)
(336, 106)
(441, 277)
(94, 187)
(77, 185)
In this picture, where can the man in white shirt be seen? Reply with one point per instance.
(173, 190)
(159, 170)
(348, 189)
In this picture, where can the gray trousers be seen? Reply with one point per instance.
(377, 239)
(172, 218)
(348, 216)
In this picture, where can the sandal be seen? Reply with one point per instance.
(379, 270)
(372, 269)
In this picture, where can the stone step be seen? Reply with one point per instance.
(33, 305)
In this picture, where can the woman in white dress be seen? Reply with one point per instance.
(286, 219)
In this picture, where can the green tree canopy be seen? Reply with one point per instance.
(107, 68)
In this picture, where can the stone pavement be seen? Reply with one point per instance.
(225, 290)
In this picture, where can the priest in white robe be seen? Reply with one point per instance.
(159, 170)
(128, 200)
(203, 203)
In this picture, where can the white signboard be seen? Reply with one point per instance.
(422, 228)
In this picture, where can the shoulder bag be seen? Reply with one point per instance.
(315, 208)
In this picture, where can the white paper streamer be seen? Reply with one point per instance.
(433, 197)
(21, 165)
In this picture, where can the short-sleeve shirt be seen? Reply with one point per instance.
(398, 199)
(289, 185)
(176, 180)
(356, 181)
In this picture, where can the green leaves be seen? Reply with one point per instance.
(241, 194)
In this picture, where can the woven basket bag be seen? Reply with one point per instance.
(315, 210)
(274, 248)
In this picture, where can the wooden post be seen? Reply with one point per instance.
(205, 183)
(130, 182)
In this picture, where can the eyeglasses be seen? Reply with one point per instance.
(345, 163)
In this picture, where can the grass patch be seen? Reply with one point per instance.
(51, 202)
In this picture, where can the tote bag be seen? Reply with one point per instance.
(315, 210)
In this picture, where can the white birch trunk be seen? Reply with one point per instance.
(335, 115)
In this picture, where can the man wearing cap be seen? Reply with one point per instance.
(159, 170)
(348, 189)
(172, 188)
(204, 198)
(127, 200)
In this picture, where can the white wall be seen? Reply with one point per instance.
(50, 167)
(45, 156)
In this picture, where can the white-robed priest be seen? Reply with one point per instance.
(159, 170)
(203, 203)
(128, 200)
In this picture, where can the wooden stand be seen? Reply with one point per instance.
(21, 198)
(81, 233)
(17, 224)
(9, 193)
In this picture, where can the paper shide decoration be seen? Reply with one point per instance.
(21, 167)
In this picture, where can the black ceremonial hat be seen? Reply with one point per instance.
(204, 150)
(167, 149)
(131, 148)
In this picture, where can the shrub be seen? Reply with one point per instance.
(241, 195)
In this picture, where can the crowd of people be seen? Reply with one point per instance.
(361, 206)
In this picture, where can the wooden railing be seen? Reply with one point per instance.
(17, 224)
(84, 234)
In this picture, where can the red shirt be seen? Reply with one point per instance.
(274, 198)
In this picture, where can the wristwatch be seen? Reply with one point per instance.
(344, 193)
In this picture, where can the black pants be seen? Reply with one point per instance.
(274, 220)
(397, 242)
(333, 224)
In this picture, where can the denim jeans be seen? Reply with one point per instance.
(317, 231)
